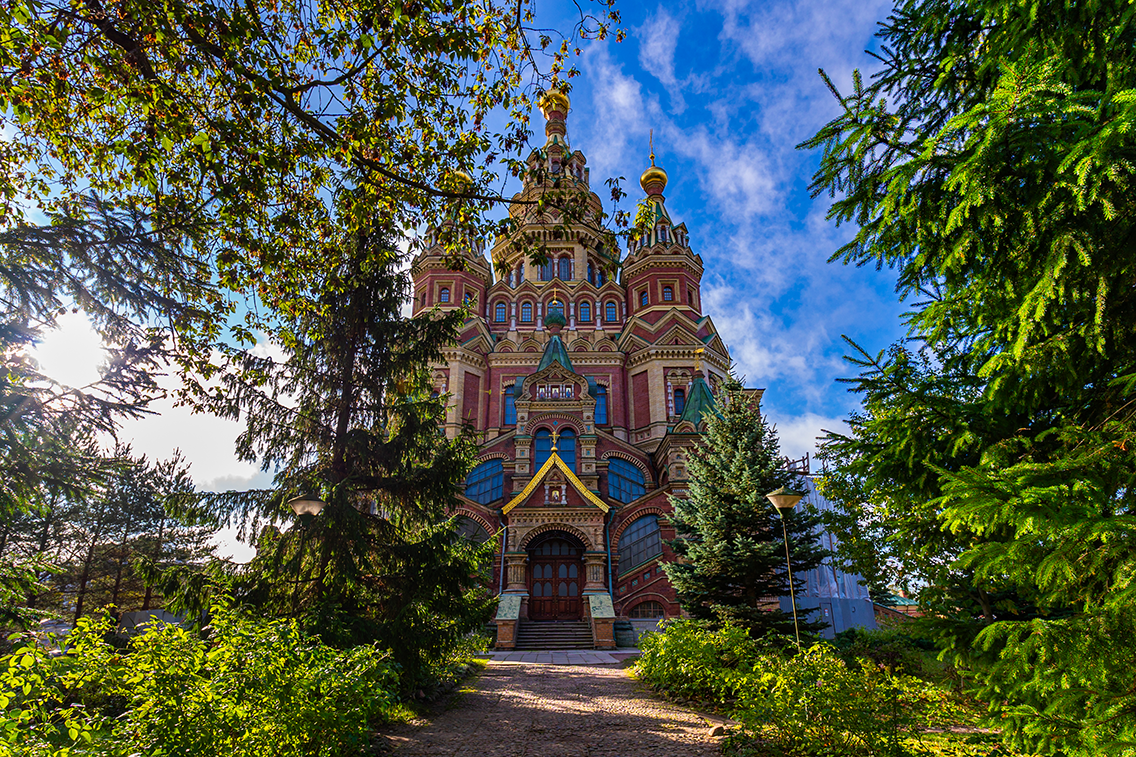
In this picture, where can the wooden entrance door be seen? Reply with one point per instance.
(556, 574)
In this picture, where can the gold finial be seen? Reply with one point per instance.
(698, 359)
(654, 179)
(651, 141)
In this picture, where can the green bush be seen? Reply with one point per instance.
(244, 687)
(812, 703)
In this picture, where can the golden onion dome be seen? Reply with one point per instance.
(653, 180)
(552, 100)
(456, 181)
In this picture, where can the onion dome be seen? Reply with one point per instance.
(456, 181)
(554, 101)
(654, 179)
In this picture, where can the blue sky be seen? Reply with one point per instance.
(729, 88)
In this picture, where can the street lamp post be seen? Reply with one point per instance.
(786, 499)
(306, 509)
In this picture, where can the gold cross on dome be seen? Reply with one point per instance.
(555, 434)
(652, 143)
(698, 358)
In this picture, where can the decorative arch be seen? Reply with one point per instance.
(504, 347)
(580, 345)
(529, 345)
(477, 518)
(547, 418)
(632, 517)
(544, 528)
(631, 459)
(650, 596)
(494, 456)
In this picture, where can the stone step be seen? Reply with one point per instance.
(554, 635)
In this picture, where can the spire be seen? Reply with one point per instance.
(554, 104)
(701, 402)
(654, 179)
(555, 353)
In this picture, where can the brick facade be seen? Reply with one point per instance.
(610, 361)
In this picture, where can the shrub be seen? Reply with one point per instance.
(243, 688)
(814, 702)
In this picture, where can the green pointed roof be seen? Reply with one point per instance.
(555, 353)
(700, 402)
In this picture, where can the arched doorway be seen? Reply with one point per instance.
(556, 577)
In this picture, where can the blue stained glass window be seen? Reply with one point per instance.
(526, 312)
(542, 448)
(546, 271)
(585, 312)
(601, 405)
(643, 299)
(611, 312)
(486, 482)
(639, 543)
(680, 401)
(510, 405)
(499, 315)
(566, 448)
(444, 294)
(565, 266)
(668, 294)
(624, 481)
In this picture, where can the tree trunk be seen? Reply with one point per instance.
(48, 519)
(155, 556)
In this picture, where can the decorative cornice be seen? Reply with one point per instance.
(554, 461)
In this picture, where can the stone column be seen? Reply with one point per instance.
(515, 564)
(595, 565)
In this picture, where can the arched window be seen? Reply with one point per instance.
(649, 610)
(520, 275)
(624, 480)
(499, 312)
(546, 271)
(585, 312)
(668, 294)
(643, 299)
(610, 315)
(444, 294)
(485, 483)
(510, 405)
(662, 233)
(601, 405)
(680, 401)
(468, 298)
(542, 448)
(639, 543)
(526, 312)
(556, 306)
(601, 278)
(565, 266)
(566, 448)
(591, 273)
(468, 528)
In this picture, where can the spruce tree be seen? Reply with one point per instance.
(990, 164)
(346, 412)
(728, 534)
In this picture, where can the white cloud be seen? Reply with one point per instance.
(658, 41)
(620, 114)
(798, 433)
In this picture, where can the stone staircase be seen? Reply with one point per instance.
(554, 634)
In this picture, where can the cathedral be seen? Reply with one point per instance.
(588, 379)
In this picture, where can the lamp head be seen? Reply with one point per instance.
(784, 499)
(304, 505)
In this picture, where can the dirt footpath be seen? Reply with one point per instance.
(532, 710)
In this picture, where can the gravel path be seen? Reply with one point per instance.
(533, 710)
